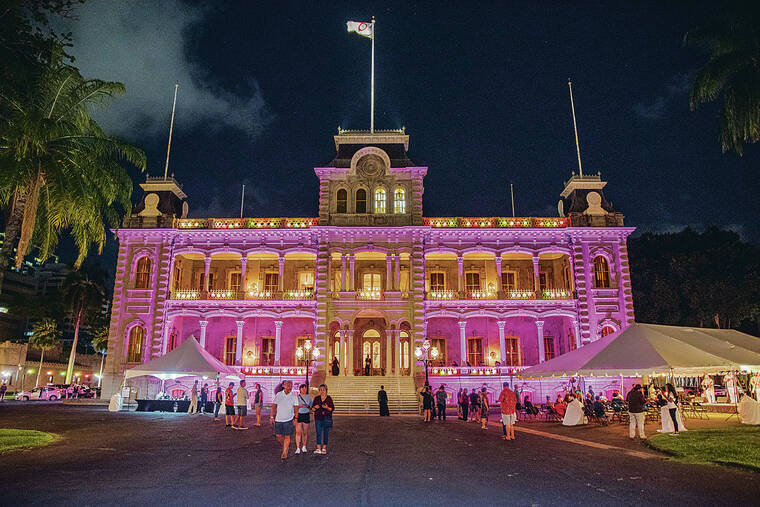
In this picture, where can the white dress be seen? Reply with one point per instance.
(749, 411)
(573, 414)
(667, 422)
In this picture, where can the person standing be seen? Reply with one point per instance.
(484, 407)
(302, 422)
(508, 406)
(242, 406)
(323, 422)
(335, 367)
(754, 385)
(204, 398)
(731, 383)
(440, 399)
(284, 409)
(459, 404)
(636, 402)
(464, 400)
(3, 389)
(229, 406)
(218, 402)
(367, 366)
(193, 408)
(474, 406)
(258, 400)
(382, 400)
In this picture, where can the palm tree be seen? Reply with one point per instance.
(100, 344)
(58, 169)
(732, 73)
(45, 335)
(83, 291)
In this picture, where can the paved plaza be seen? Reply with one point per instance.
(157, 458)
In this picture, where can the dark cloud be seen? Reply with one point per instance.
(675, 91)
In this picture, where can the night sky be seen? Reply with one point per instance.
(480, 87)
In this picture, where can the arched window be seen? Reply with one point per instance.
(135, 345)
(336, 345)
(380, 200)
(361, 201)
(404, 349)
(601, 273)
(607, 330)
(342, 201)
(399, 201)
(142, 277)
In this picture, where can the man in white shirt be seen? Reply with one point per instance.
(242, 406)
(284, 408)
(193, 408)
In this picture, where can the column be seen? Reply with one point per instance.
(397, 276)
(462, 343)
(502, 342)
(536, 276)
(277, 337)
(350, 366)
(388, 352)
(343, 272)
(388, 280)
(203, 324)
(239, 342)
(206, 269)
(280, 278)
(460, 278)
(499, 288)
(167, 332)
(243, 266)
(352, 279)
(540, 331)
(577, 329)
(342, 351)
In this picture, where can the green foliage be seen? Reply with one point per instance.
(695, 279)
(725, 446)
(732, 72)
(100, 339)
(45, 334)
(12, 439)
(83, 292)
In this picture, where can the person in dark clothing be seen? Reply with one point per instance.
(427, 404)
(464, 400)
(335, 367)
(636, 402)
(367, 366)
(382, 400)
(440, 399)
(474, 405)
(204, 398)
(599, 410)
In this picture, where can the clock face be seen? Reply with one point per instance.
(370, 166)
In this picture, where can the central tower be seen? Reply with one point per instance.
(371, 181)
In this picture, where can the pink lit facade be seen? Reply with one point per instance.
(369, 277)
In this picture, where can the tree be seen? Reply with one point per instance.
(45, 335)
(84, 293)
(100, 344)
(732, 72)
(58, 169)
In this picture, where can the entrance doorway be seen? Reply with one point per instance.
(372, 349)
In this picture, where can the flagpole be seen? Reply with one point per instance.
(575, 127)
(171, 128)
(372, 83)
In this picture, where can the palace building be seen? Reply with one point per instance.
(369, 280)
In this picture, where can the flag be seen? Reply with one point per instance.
(360, 28)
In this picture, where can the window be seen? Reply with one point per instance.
(361, 201)
(474, 351)
(230, 342)
(404, 336)
(380, 200)
(177, 278)
(571, 337)
(234, 282)
(440, 344)
(371, 348)
(336, 345)
(399, 201)
(542, 283)
(201, 285)
(336, 287)
(341, 202)
(271, 282)
(548, 347)
(371, 282)
(142, 278)
(134, 349)
(267, 351)
(607, 330)
(437, 281)
(172, 343)
(601, 273)
(509, 280)
(512, 352)
(472, 281)
(566, 277)
(306, 281)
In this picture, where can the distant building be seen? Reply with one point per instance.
(370, 278)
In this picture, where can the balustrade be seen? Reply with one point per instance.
(444, 295)
(224, 294)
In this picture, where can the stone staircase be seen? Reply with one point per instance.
(358, 395)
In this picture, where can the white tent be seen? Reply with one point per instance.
(187, 360)
(649, 349)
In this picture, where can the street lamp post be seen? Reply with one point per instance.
(308, 355)
(426, 354)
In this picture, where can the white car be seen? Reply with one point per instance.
(40, 393)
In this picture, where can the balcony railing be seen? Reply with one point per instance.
(224, 294)
(475, 371)
(444, 295)
(369, 295)
(496, 222)
(245, 223)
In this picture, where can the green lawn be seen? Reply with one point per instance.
(729, 446)
(12, 439)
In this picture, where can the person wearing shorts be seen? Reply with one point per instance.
(284, 408)
(302, 422)
(508, 402)
(229, 406)
(242, 406)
